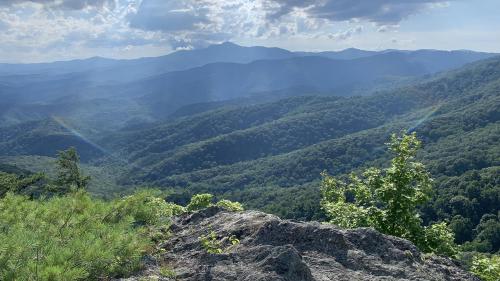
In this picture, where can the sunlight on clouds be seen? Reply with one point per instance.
(41, 29)
(33, 32)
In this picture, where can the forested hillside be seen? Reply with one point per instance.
(268, 150)
(98, 95)
(270, 156)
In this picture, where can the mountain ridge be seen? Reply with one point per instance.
(157, 93)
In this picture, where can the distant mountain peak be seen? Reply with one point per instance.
(98, 58)
(353, 49)
(226, 44)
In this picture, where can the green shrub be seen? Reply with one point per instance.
(71, 236)
(200, 201)
(67, 238)
(388, 199)
(17, 184)
(146, 207)
(439, 238)
(487, 268)
(230, 205)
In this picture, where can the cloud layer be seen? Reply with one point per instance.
(212, 20)
(64, 4)
(378, 11)
(169, 15)
(75, 27)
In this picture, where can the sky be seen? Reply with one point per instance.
(53, 30)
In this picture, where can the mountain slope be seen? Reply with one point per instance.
(347, 54)
(102, 69)
(308, 120)
(285, 135)
(156, 88)
(44, 138)
(274, 164)
(222, 81)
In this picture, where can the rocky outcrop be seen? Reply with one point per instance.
(271, 249)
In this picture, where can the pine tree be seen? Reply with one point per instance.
(69, 175)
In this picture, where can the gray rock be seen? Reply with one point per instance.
(272, 249)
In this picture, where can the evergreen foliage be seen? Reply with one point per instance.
(147, 207)
(77, 237)
(15, 183)
(66, 238)
(72, 236)
(69, 174)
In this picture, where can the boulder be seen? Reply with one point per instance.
(272, 249)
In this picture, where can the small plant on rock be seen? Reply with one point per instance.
(230, 205)
(167, 272)
(200, 201)
(210, 243)
(234, 240)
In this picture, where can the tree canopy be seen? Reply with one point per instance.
(388, 199)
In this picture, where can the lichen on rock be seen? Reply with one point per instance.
(271, 249)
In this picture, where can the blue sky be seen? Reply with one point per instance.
(49, 30)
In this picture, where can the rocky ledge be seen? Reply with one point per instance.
(271, 249)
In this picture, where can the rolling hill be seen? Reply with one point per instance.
(225, 81)
(155, 88)
(270, 155)
(215, 138)
(261, 132)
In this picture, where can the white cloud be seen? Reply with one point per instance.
(194, 23)
(379, 11)
(387, 28)
(38, 29)
(31, 30)
(344, 35)
(169, 15)
(64, 4)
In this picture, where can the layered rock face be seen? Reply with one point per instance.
(271, 249)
